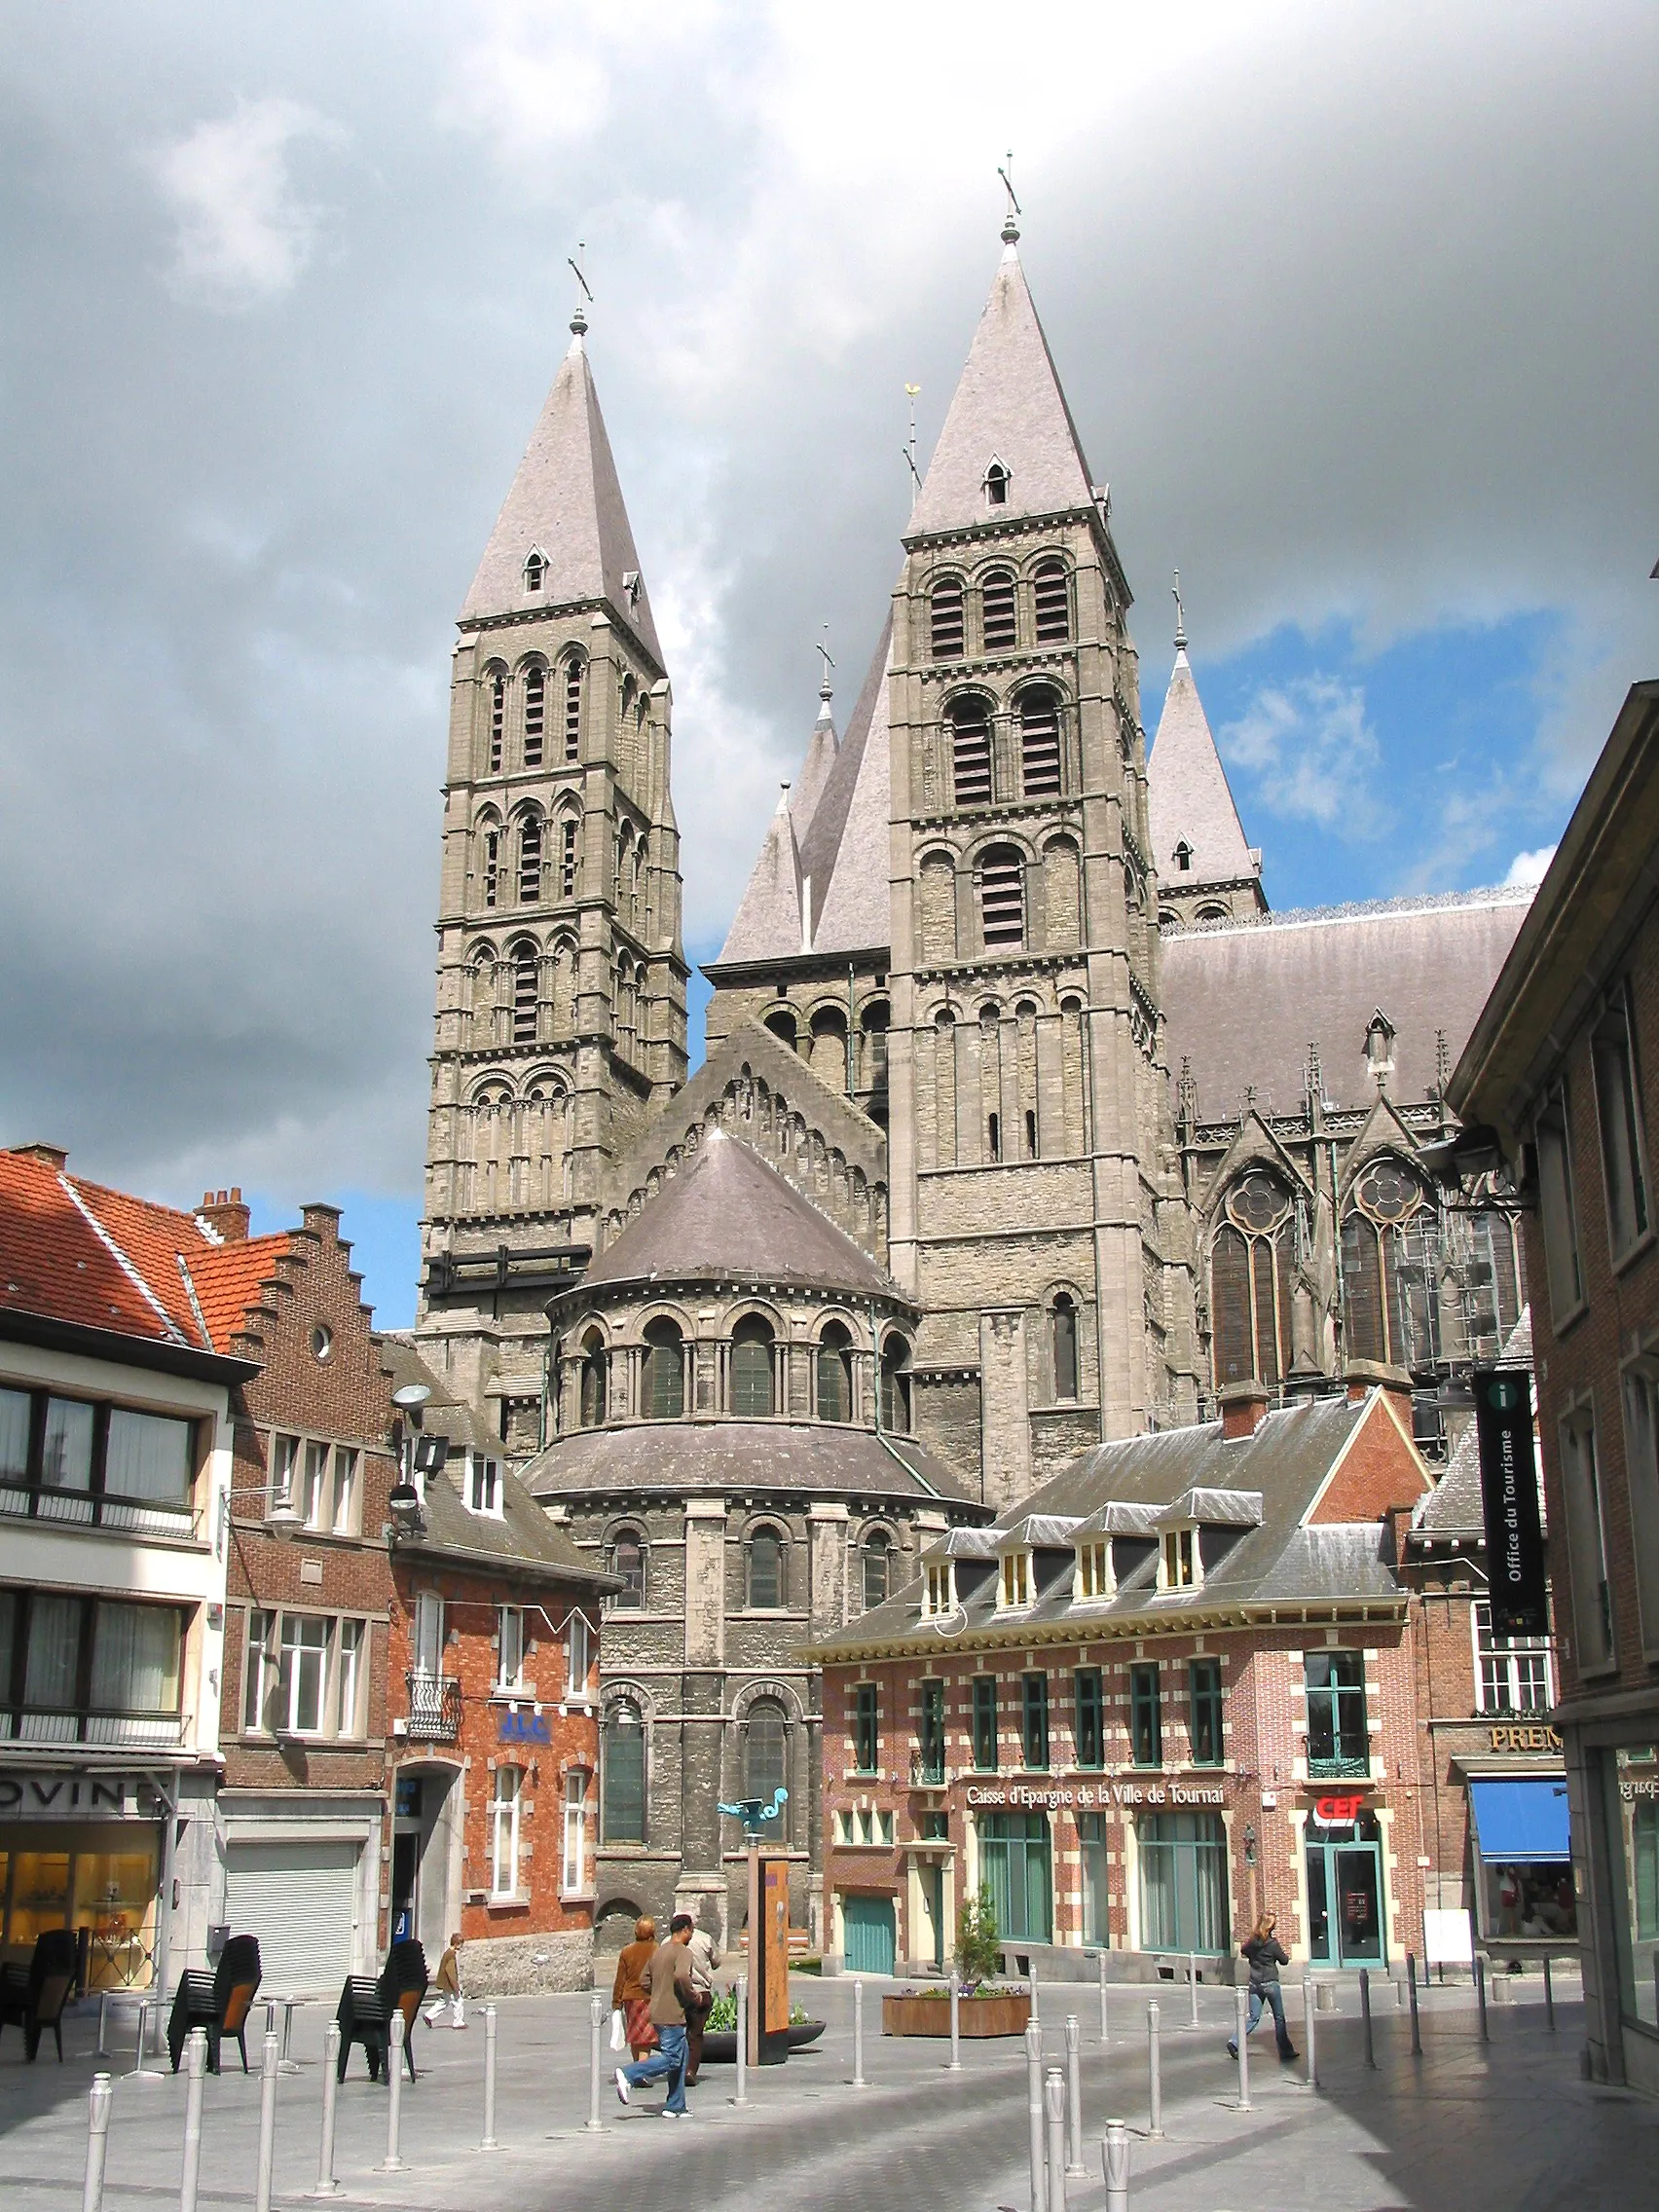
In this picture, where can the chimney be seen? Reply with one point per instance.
(224, 1214)
(1396, 1527)
(49, 1154)
(1361, 1375)
(1243, 1408)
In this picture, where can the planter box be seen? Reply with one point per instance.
(978, 2015)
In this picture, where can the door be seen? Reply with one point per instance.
(1345, 1902)
(405, 1882)
(299, 1899)
(871, 1942)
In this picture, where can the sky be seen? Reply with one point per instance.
(1357, 309)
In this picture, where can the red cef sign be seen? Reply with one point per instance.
(1337, 1812)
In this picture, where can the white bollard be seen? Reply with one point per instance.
(859, 2082)
(1193, 1988)
(326, 2185)
(196, 2071)
(395, 2033)
(596, 2021)
(1114, 2160)
(102, 2050)
(488, 2143)
(1054, 2111)
(1073, 2097)
(1105, 2023)
(1036, 2008)
(1241, 2032)
(955, 2066)
(268, 2057)
(1310, 2032)
(1154, 2074)
(98, 2142)
(741, 2098)
(1034, 2113)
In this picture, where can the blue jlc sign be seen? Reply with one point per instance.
(525, 1728)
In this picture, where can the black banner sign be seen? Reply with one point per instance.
(1509, 1494)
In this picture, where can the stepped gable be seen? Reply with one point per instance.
(728, 1217)
(565, 503)
(1189, 797)
(1243, 1001)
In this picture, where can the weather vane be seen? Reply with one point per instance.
(1180, 617)
(1011, 228)
(578, 321)
(754, 1812)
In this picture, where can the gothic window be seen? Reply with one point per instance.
(492, 864)
(945, 620)
(1490, 1279)
(997, 616)
(529, 861)
(895, 1385)
(1040, 743)
(1062, 1324)
(1390, 1281)
(568, 857)
(834, 1361)
(1250, 1289)
(636, 888)
(766, 1760)
(535, 714)
(535, 569)
(1002, 898)
(752, 1367)
(572, 709)
(593, 1380)
(970, 752)
(767, 1583)
(498, 717)
(622, 1798)
(1184, 857)
(523, 994)
(662, 1371)
(996, 485)
(1054, 604)
(877, 1565)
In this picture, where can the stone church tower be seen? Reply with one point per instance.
(561, 983)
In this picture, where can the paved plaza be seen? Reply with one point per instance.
(1507, 2123)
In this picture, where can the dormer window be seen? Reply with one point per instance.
(996, 485)
(1094, 1577)
(1184, 857)
(483, 1484)
(535, 569)
(1180, 1568)
(1016, 1587)
(632, 587)
(941, 1596)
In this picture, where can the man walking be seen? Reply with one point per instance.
(705, 1961)
(666, 1977)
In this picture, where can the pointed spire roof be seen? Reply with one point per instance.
(565, 503)
(1187, 795)
(1008, 406)
(768, 923)
(822, 749)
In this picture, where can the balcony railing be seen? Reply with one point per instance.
(100, 1509)
(98, 1725)
(434, 1707)
(1338, 1766)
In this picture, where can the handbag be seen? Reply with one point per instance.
(619, 2031)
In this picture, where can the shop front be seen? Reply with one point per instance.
(85, 1851)
(1630, 1777)
(1346, 1903)
(1520, 1837)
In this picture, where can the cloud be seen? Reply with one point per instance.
(242, 233)
(1311, 752)
(1529, 867)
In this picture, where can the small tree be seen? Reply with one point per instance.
(978, 1945)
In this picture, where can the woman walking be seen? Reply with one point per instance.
(629, 1995)
(1265, 1955)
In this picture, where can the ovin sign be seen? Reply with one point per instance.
(83, 1796)
(1509, 1496)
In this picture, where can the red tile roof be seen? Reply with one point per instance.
(227, 1279)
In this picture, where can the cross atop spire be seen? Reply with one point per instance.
(1010, 226)
(825, 692)
(578, 321)
(1180, 616)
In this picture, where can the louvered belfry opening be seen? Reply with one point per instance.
(573, 711)
(1002, 898)
(946, 619)
(1054, 604)
(970, 752)
(1040, 743)
(497, 720)
(997, 608)
(524, 995)
(530, 863)
(568, 861)
(535, 714)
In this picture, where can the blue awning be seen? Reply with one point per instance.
(1517, 1821)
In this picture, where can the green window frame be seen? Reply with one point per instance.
(1146, 1715)
(932, 1745)
(1034, 1702)
(866, 1729)
(985, 1723)
(1090, 1734)
(1339, 1736)
(1208, 1743)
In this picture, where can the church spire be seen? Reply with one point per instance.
(1198, 845)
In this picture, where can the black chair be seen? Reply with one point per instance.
(219, 2001)
(33, 1997)
(366, 2007)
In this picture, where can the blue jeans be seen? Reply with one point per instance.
(1268, 1992)
(668, 2058)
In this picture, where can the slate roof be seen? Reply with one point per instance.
(767, 924)
(681, 1457)
(1007, 406)
(1454, 1507)
(1273, 1560)
(728, 1217)
(822, 750)
(1187, 795)
(567, 502)
(1243, 1001)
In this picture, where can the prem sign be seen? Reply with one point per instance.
(1509, 1495)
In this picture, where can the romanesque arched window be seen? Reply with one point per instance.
(1040, 742)
(970, 752)
(535, 714)
(1053, 598)
(622, 1766)
(529, 861)
(1062, 1333)
(945, 620)
(492, 1117)
(873, 1073)
(1251, 1258)
(878, 1567)
(662, 1371)
(782, 1024)
(937, 898)
(835, 1373)
(766, 1760)
(570, 831)
(1002, 898)
(593, 1380)
(768, 1580)
(490, 857)
(498, 681)
(752, 1344)
(572, 709)
(998, 622)
(828, 1054)
(1391, 1260)
(896, 1385)
(628, 1562)
(525, 991)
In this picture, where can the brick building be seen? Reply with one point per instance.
(494, 1684)
(1560, 1075)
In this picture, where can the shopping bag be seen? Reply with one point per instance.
(618, 2032)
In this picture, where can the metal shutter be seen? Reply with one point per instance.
(299, 1899)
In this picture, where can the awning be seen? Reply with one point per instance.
(1516, 1822)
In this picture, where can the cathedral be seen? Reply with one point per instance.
(1024, 1126)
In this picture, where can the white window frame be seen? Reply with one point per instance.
(1013, 1582)
(297, 1647)
(1095, 1579)
(483, 1487)
(506, 1800)
(580, 1642)
(1495, 1655)
(573, 1872)
(941, 1593)
(427, 1635)
(350, 1675)
(346, 1503)
(510, 1643)
(1179, 1565)
(259, 1671)
(1587, 1531)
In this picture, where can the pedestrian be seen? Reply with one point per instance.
(628, 1994)
(666, 1977)
(1265, 1955)
(446, 1988)
(705, 1963)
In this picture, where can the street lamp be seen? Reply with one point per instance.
(403, 1500)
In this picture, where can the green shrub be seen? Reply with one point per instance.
(978, 1945)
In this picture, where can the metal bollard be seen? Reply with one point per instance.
(269, 2058)
(1105, 2023)
(102, 2050)
(395, 2033)
(596, 2022)
(1310, 2031)
(1073, 2097)
(1154, 2072)
(196, 2072)
(1193, 1988)
(326, 2185)
(1365, 2015)
(955, 2066)
(1054, 2112)
(1549, 1995)
(1036, 2009)
(1480, 1998)
(859, 2082)
(139, 2066)
(1115, 2162)
(1416, 2025)
(1241, 2043)
(98, 2142)
(1034, 2113)
(488, 2143)
(741, 2098)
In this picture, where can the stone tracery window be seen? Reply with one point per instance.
(1251, 1256)
(1390, 1260)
